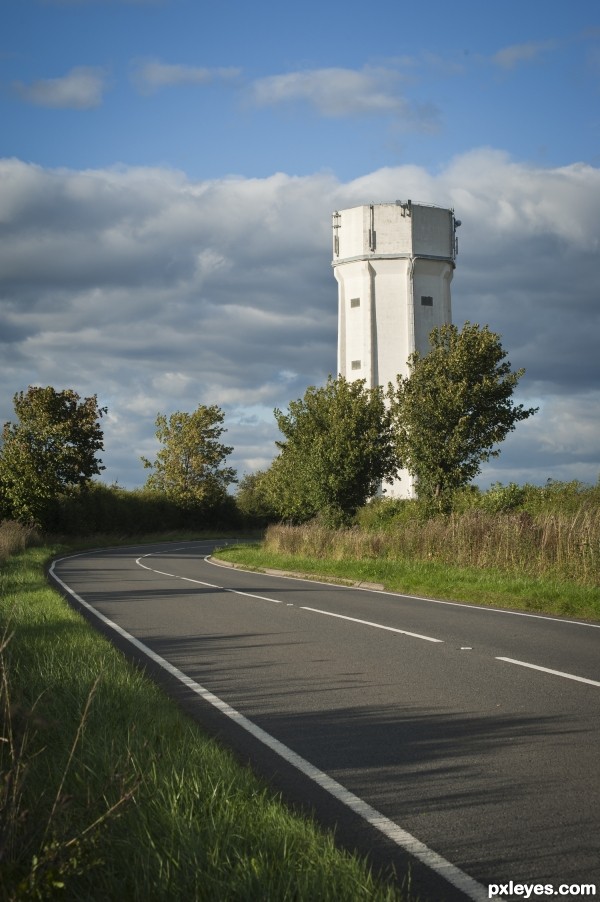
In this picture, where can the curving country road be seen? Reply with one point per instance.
(461, 741)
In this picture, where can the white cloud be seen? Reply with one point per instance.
(335, 92)
(151, 75)
(512, 56)
(160, 293)
(80, 89)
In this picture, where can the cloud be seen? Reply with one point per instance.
(335, 92)
(151, 75)
(511, 57)
(160, 293)
(80, 89)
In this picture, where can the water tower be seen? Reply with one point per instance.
(393, 264)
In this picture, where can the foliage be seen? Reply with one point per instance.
(123, 512)
(500, 498)
(555, 497)
(559, 544)
(561, 497)
(51, 451)
(337, 449)
(454, 408)
(383, 513)
(189, 466)
(252, 499)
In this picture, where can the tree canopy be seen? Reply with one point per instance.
(454, 408)
(189, 467)
(252, 498)
(50, 451)
(337, 448)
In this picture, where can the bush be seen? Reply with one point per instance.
(561, 497)
(102, 509)
(385, 513)
(500, 499)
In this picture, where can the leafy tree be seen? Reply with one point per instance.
(454, 408)
(337, 449)
(189, 466)
(50, 452)
(252, 498)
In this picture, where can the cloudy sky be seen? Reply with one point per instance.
(168, 170)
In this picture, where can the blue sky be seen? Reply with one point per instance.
(200, 86)
(168, 169)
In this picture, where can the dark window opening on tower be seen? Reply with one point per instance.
(426, 300)
(355, 302)
(355, 364)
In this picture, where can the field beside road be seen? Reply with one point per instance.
(473, 585)
(532, 549)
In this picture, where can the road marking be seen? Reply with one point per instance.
(470, 887)
(200, 582)
(379, 626)
(560, 673)
(456, 604)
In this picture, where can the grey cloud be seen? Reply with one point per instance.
(560, 442)
(512, 56)
(80, 89)
(159, 293)
(151, 75)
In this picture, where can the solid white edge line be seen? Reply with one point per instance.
(470, 887)
(379, 626)
(456, 604)
(560, 673)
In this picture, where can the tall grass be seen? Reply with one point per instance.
(554, 546)
(15, 537)
(547, 533)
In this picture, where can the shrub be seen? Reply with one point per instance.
(503, 498)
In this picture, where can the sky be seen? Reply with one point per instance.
(168, 171)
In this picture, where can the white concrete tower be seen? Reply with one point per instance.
(393, 264)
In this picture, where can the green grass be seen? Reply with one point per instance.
(111, 792)
(435, 580)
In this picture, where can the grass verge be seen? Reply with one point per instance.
(435, 580)
(109, 791)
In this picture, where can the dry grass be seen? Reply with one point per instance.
(15, 537)
(548, 545)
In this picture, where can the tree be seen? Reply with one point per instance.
(50, 452)
(454, 408)
(337, 449)
(252, 499)
(189, 466)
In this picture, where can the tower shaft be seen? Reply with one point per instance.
(393, 264)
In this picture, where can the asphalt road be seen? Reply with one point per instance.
(462, 741)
